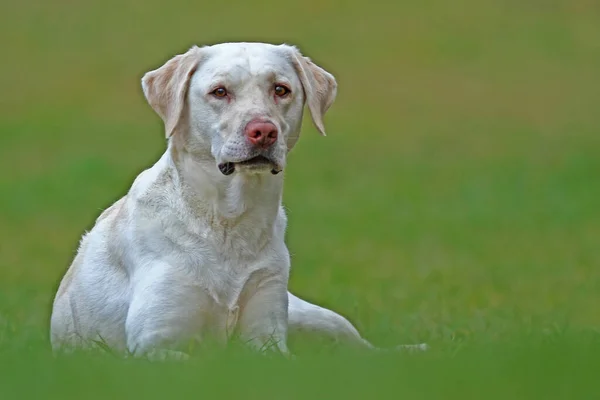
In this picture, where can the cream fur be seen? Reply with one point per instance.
(190, 253)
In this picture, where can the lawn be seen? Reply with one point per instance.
(455, 200)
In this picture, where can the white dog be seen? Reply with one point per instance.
(196, 247)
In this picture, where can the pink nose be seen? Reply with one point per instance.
(261, 134)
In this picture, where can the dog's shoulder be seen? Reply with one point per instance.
(147, 185)
(153, 186)
(112, 211)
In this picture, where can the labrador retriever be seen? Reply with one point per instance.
(196, 249)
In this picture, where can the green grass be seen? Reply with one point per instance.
(455, 199)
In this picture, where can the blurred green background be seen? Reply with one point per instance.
(455, 200)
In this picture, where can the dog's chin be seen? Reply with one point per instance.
(254, 165)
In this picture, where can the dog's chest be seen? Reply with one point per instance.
(227, 264)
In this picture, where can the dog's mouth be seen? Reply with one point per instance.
(254, 163)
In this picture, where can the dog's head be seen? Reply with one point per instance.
(240, 104)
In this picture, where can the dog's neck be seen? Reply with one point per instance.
(229, 199)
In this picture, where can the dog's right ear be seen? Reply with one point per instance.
(166, 88)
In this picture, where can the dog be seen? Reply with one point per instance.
(195, 249)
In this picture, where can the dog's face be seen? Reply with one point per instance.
(240, 104)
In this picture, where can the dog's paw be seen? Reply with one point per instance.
(167, 355)
(412, 348)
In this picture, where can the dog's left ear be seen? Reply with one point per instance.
(166, 88)
(320, 87)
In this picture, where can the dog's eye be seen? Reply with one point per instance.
(281, 91)
(219, 92)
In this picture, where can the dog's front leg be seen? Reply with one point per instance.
(264, 317)
(165, 315)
